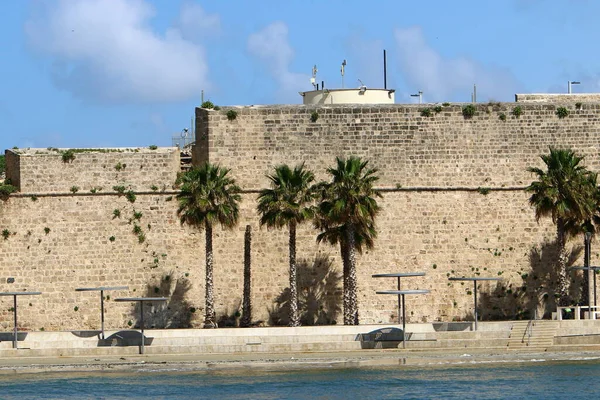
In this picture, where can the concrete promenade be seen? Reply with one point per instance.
(429, 343)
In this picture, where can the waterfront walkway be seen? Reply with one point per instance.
(449, 338)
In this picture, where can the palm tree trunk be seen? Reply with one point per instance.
(210, 317)
(352, 286)
(563, 281)
(294, 318)
(247, 302)
(346, 288)
(585, 293)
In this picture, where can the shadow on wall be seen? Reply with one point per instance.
(176, 312)
(535, 290)
(231, 319)
(319, 295)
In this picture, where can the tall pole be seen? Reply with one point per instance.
(403, 325)
(142, 325)
(475, 294)
(594, 288)
(587, 269)
(384, 71)
(399, 301)
(569, 87)
(15, 344)
(102, 311)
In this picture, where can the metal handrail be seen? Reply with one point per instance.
(528, 331)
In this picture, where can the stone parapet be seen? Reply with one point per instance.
(51, 171)
(558, 98)
(493, 148)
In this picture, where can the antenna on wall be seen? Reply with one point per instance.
(342, 71)
(313, 80)
(384, 70)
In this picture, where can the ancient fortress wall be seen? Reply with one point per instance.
(445, 150)
(47, 171)
(435, 172)
(438, 216)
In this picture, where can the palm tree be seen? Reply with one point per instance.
(247, 297)
(347, 216)
(288, 203)
(567, 192)
(208, 196)
(364, 238)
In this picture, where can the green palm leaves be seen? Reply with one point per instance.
(287, 203)
(208, 196)
(567, 192)
(343, 210)
(346, 215)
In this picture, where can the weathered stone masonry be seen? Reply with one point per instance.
(434, 217)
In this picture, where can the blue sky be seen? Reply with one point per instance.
(112, 73)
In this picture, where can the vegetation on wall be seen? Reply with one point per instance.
(517, 111)
(6, 189)
(562, 112)
(468, 111)
(119, 189)
(231, 115)
(68, 156)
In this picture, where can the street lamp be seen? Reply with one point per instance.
(570, 83)
(419, 95)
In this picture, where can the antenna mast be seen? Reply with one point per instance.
(342, 71)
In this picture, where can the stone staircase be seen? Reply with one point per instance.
(533, 335)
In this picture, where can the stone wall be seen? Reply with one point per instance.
(445, 150)
(434, 173)
(558, 98)
(46, 171)
(453, 205)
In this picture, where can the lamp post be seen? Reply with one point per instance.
(570, 83)
(419, 95)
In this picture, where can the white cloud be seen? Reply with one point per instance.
(195, 23)
(447, 79)
(271, 46)
(105, 50)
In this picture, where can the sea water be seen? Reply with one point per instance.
(533, 380)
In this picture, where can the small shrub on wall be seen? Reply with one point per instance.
(468, 111)
(562, 112)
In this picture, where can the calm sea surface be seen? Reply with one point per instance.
(539, 380)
